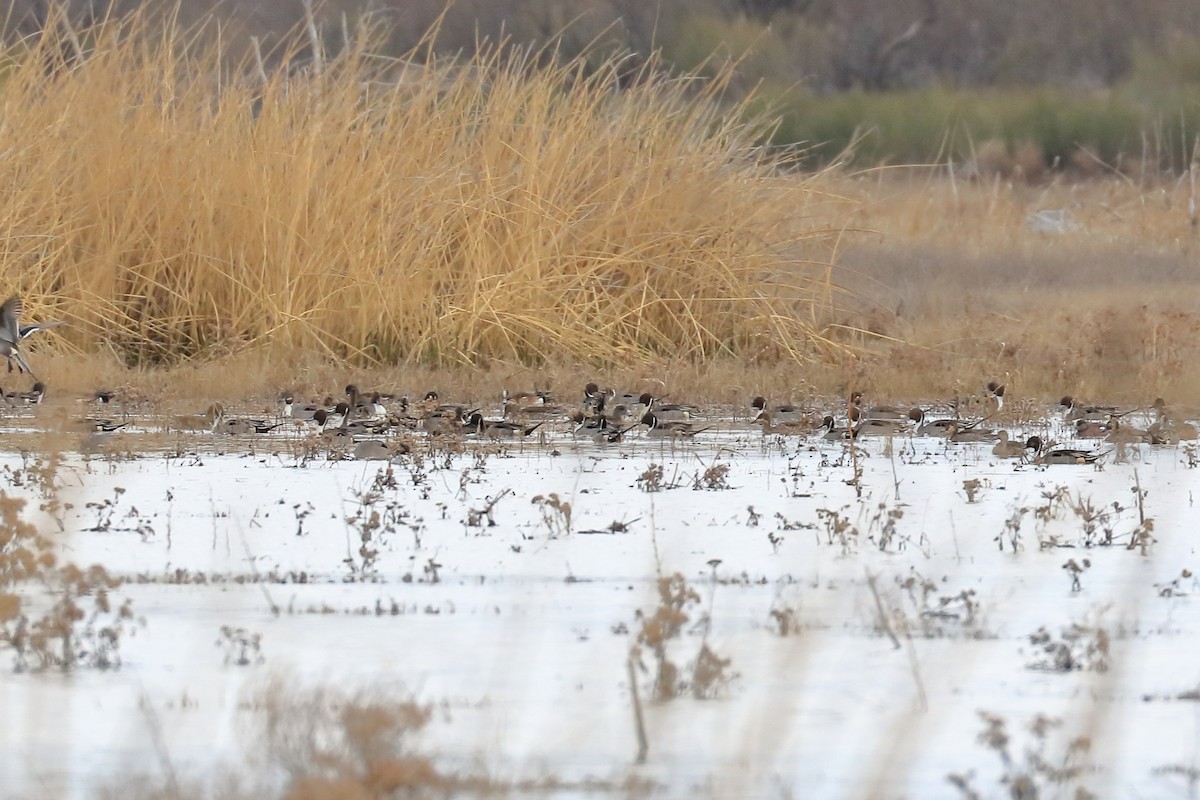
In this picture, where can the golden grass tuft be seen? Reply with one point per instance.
(388, 211)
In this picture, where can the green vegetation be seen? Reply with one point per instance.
(933, 125)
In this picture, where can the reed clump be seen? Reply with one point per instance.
(419, 211)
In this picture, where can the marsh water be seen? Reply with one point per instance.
(865, 610)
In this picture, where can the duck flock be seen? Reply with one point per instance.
(383, 425)
(378, 425)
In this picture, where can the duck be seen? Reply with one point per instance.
(497, 428)
(786, 426)
(372, 408)
(342, 423)
(594, 404)
(889, 413)
(302, 412)
(630, 398)
(864, 425)
(199, 422)
(1168, 427)
(932, 427)
(994, 393)
(525, 399)
(337, 418)
(520, 406)
(239, 426)
(611, 435)
(449, 420)
(1077, 411)
(671, 412)
(31, 398)
(430, 406)
(1070, 456)
(334, 426)
(601, 431)
(779, 414)
(973, 434)
(1006, 448)
(678, 429)
(834, 433)
(1165, 432)
(377, 450)
(587, 422)
(1123, 434)
(593, 395)
(879, 427)
(619, 412)
(1163, 412)
(1088, 428)
(60, 420)
(12, 332)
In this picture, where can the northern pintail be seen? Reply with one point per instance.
(611, 434)
(339, 417)
(497, 428)
(61, 420)
(1006, 448)
(514, 408)
(431, 406)
(524, 399)
(593, 394)
(994, 392)
(303, 412)
(199, 422)
(1169, 427)
(864, 425)
(636, 402)
(672, 412)
(889, 413)
(598, 428)
(12, 332)
(1077, 411)
(679, 429)
(597, 398)
(879, 427)
(1166, 432)
(1070, 456)
(31, 398)
(587, 423)
(779, 414)
(933, 427)
(1125, 434)
(371, 408)
(438, 422)
(783, 427)
(334, 427)
(969, 434)
(377, 450)
(619, 412)
(834, 432)
(1088, 428)
(98, 425)
(241, 426)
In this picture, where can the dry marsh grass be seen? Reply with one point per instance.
(513, 221)
(964, 284)
(383, 211)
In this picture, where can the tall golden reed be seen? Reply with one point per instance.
(395, 211)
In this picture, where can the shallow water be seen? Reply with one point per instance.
(521, 632)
